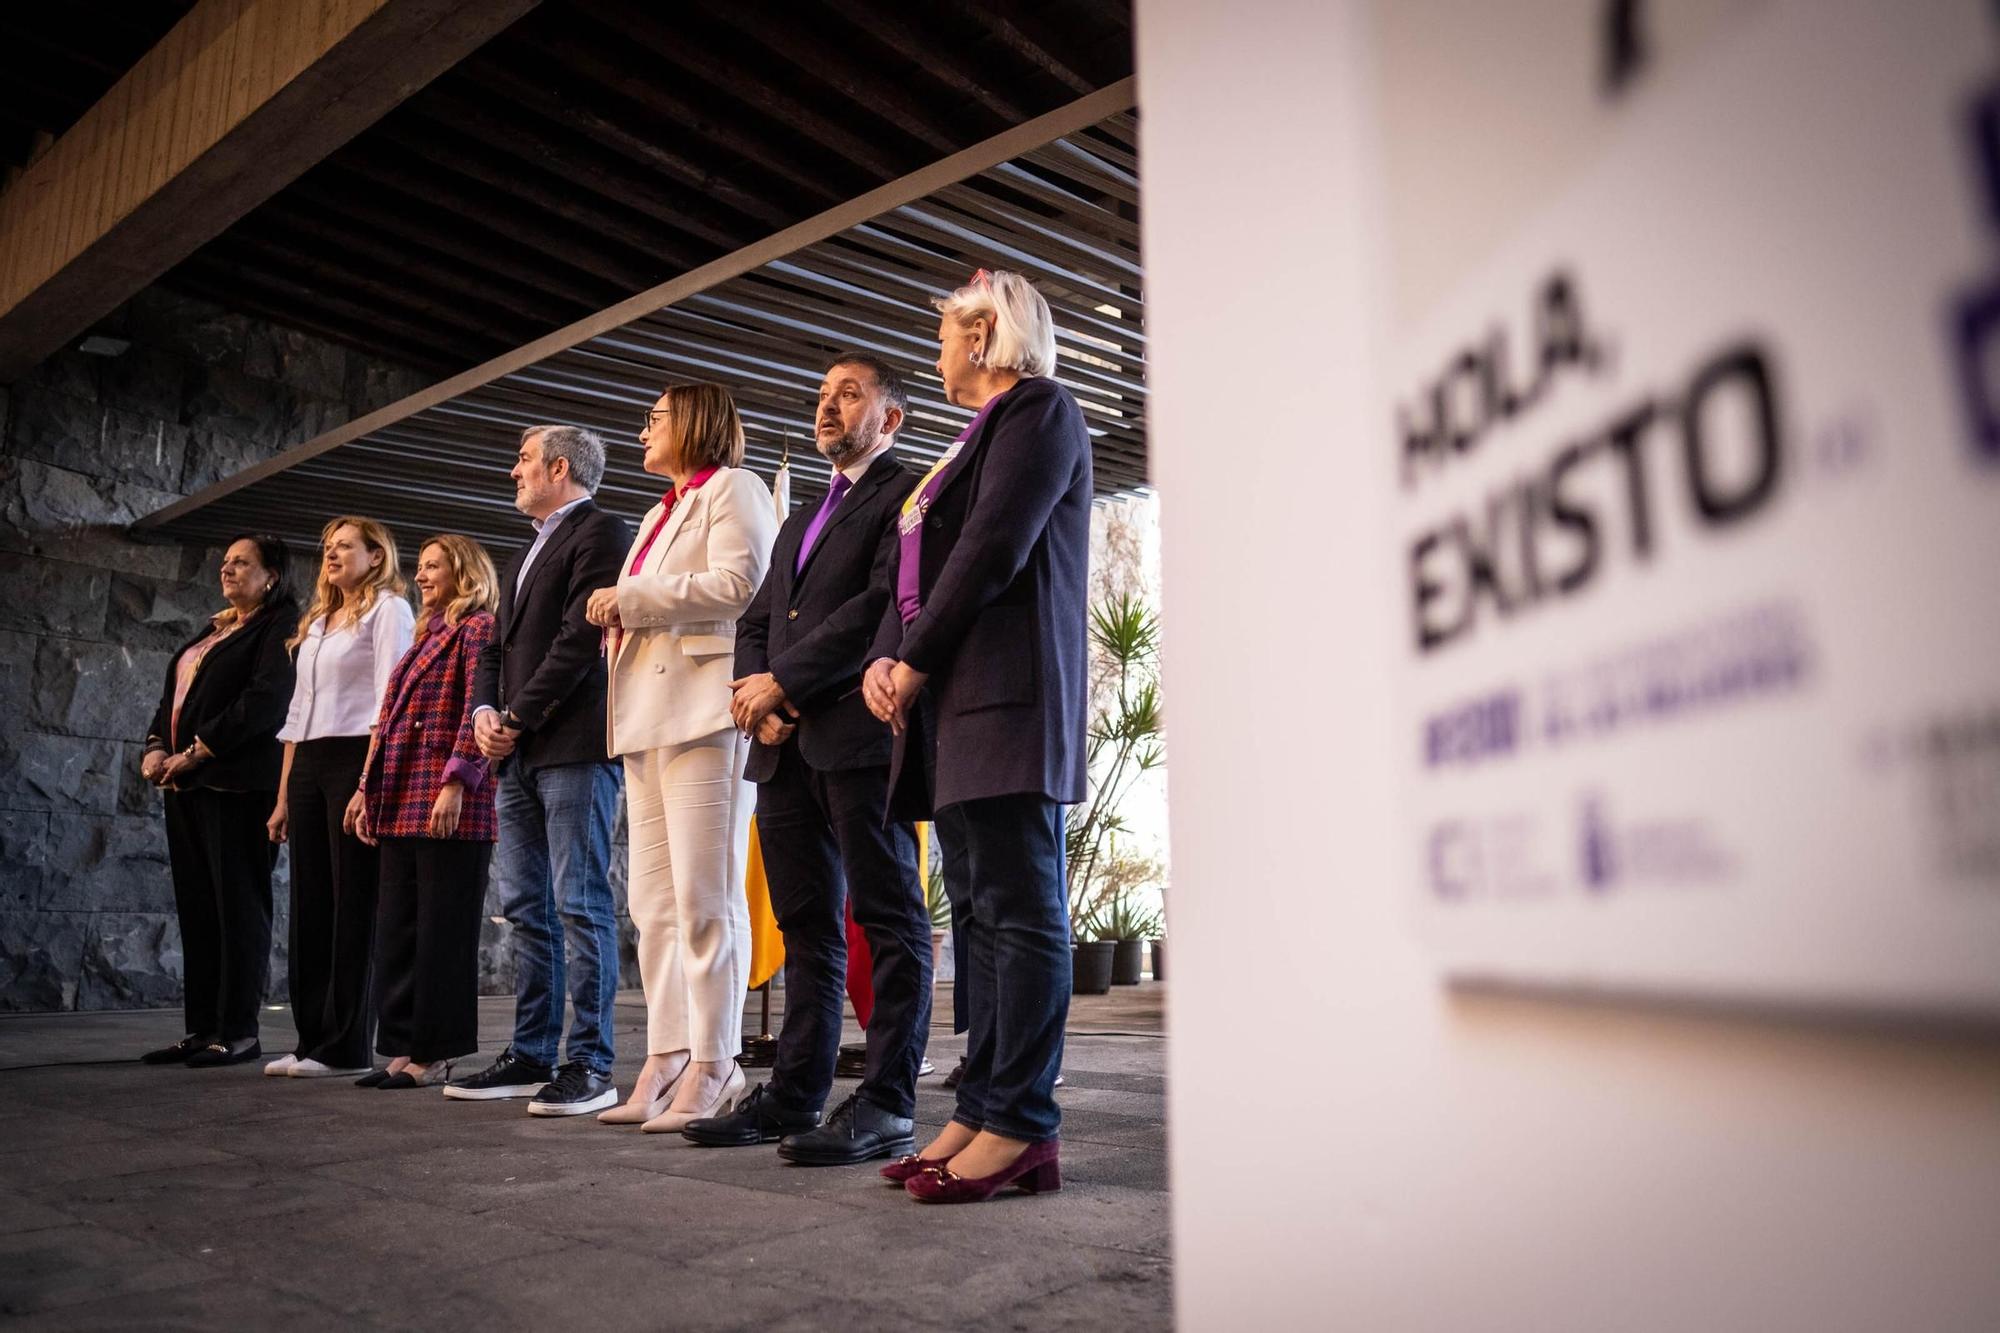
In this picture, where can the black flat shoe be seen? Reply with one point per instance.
(216, 1054)
(176, 1054)
(435, 1076)
(374, 1078)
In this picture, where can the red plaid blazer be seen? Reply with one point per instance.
(424, 735)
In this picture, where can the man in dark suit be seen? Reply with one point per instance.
(822, 764)
(538, 699)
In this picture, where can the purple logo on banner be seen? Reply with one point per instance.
(1976, 319)
(1600, 867)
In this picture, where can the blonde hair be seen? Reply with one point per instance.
(1023, 337)
(707, 432)
(330, 601)
(474, 585)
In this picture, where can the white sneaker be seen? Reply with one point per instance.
(314, 1069)
(281, 1066)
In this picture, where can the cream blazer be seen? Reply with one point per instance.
(673, 658)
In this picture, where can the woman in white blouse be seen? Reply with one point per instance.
(670, 632)
(358, 627)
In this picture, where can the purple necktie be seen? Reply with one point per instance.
(833, 494)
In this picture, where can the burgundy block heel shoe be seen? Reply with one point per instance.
(1036, 1170)
(900, 1170)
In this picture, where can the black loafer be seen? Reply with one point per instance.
(217, 1053)
(758, 1118)
(374, 1078)
(176, 1054)
(857, 1131)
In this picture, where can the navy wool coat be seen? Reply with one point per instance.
(1004, 575)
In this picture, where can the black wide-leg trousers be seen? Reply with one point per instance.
(431, 894)
(222, 857)
(824, 837)
(333, 904)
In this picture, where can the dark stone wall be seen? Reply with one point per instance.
(89, 616)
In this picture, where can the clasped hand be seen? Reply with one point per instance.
(759, 708)
(888, 687)
(602, 608)
(494, 738)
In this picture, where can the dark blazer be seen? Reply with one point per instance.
(811, 630)
(546, 661)
(236, 703)
(1004, 576)
(423, 737)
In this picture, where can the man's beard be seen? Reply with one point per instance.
(854, 443)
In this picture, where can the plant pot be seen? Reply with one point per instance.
(1159, 960)
(1092, 968)
(938, 938)
(1127, 960)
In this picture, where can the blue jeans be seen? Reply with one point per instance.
(555, 861)
(1016, 966)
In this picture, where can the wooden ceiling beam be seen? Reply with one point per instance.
(435, 247)
(890, 27)
(709, 62)
(1016, 30)
(696, 119)
(652, 151)
(540, 234)
(234, 103)
(856, 81)
(590, 220)
(582, 164)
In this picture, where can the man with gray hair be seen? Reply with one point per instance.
(538, 700)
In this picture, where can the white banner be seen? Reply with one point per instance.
(1698, 491)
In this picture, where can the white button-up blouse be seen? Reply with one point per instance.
(342, 675)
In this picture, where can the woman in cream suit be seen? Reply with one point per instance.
(670, 636)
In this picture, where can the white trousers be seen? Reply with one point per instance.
(688, 816)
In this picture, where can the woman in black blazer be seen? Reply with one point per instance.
(213, 749)
(982, 652)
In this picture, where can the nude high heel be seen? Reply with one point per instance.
(635, 1112)
(673, 1122)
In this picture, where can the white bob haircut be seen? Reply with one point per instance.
(1024, 333)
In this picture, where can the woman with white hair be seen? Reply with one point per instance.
(980, 668)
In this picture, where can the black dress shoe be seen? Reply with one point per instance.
(957, 1073)
(758, 1118)
(176, 1054)
(857, 1131)
(218, 1053)
(374, 1078)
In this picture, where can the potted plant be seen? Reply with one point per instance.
(1130, 924)
(1091, 964)
(1125, 741)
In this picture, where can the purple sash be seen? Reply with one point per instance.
(910, 524)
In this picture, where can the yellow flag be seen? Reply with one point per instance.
(767, 945)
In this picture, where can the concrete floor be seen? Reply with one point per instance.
(134, 1197)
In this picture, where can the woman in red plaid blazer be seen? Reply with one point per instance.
(426, 798)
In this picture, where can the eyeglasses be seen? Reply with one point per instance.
(647, 424)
